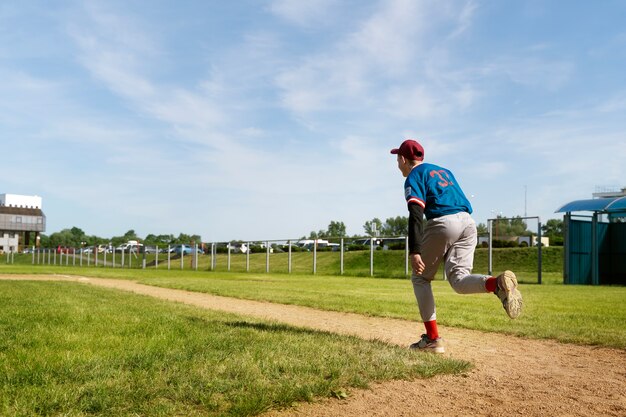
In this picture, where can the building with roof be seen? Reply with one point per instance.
(21, 221)
(595, 239)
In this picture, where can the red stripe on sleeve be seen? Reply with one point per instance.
(416, 201)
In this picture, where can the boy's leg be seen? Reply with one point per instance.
(434, 243)
(424, 297)
(458, 266)
(460, 258)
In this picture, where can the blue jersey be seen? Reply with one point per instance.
(436, 190)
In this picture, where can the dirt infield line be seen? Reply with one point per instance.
(512, 376)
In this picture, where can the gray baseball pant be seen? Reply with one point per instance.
(450, 238)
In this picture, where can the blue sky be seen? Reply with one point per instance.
(268, 119)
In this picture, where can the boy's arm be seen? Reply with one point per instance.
(416, 214)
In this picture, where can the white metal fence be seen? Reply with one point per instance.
(165, 257)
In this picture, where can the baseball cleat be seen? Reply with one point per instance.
(509, 295)
(429, 345)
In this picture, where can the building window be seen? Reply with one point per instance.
(18, 219)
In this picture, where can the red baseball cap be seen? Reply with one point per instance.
(410, 149)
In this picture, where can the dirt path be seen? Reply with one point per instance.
(512, 376)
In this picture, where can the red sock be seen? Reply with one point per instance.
(431, 329)
(490, 284)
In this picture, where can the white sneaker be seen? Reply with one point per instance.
(507, 292)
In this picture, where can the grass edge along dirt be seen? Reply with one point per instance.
(571, 314)
(72, 349)
(587, 315)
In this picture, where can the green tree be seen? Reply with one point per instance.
(373, 227)
(44, 241)
(62, 238)
(482, 229)
(130, 235)
(313, 235)
(510, 227)
(336, 229)
(185, 239)
(78, 234)
(395, 226)
(553, 227)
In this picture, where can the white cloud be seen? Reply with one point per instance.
(381, 66)
(465, 19)
(531, 71)
(121, 58)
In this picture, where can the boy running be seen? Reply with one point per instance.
(450, 235)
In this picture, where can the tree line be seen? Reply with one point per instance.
(76, 238)
(391, 227)
(398, 226)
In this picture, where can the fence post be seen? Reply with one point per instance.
(289, 256)
(123, 263)
(490, 256)
(228, 263)
(182, 255)
(315, 257)
(55, 257)
(371, 257)
(168, 257)
(195, 257)
(95, 256)
(156, 257)
(539, 248)
(248, 257)
(267, 257)
(406, 255)
(113, 257)
(341, 258)
(212, 255)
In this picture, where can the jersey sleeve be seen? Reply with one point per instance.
(414, 194)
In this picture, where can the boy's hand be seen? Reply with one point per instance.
(417, 264)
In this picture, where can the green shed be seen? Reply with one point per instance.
(595, 244)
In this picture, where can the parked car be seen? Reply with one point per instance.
(63, 249)
(131, 246)
(184, 249)
(149, 249)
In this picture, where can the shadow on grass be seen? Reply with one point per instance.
(274, 327)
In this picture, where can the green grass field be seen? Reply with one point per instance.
(73, 350)
(70, 349)
(577, 314)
